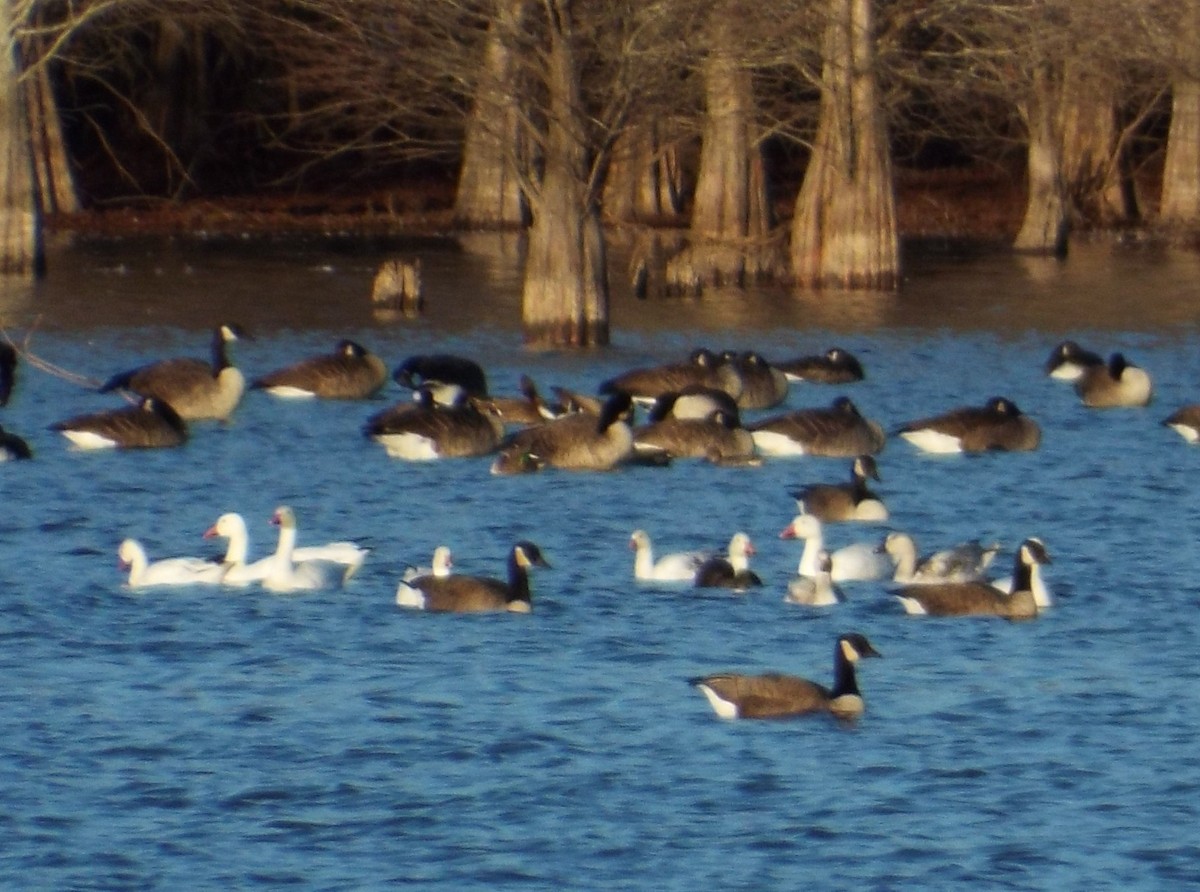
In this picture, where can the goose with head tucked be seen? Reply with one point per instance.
(857, 562)
(457, 593)
(285, 574)
(731, 570)
(152, 424)
(996, 426)
(981, 598)
(196, 390)
(677, 566)
(1117, 384)
(575, 442)
(703, 368)
(965, 562)
(718, 435)
(1185, 421)
(179, 571)
(774, 695)
(852, 501)
(838, 430)
(834, 366)
(425, 429)
(12, 447)
(1068, 361)
(763, 385)
(818, 590)
(442, 368)
(350, 372)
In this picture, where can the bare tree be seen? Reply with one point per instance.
(1180, 202)
(21, 253)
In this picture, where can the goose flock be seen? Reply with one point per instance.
(694, 410)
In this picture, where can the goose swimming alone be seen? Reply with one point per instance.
(836, 502)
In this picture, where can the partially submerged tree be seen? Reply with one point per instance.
(1180, 202)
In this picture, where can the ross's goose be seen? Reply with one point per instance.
(179, 571)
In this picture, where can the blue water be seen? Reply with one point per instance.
(203, 739)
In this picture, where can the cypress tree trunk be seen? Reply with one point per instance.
(644, 180)
(844, 231)
(565, 292)
(1180, 203)
(21, 248)
(52, 171)
(490, 193)
(1045, 226)
(1090, 151)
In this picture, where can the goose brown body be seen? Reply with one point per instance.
(1116, 384)
(149, 425)
(834, 366)
(981, 598)
(998, 425)
(350, 372)
(576, 442)
(835, 502)
(838, 430)
(455, 593)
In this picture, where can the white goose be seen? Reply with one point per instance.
(859, 561)
(440, 566)
(964, 562)
(240, 571)
(288, 575)
(815, 591)
(169, 571)
(679, 566)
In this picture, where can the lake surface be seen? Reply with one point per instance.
(210, 739)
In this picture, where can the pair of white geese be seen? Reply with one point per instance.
(289, 569)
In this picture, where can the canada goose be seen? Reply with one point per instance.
(286, 574)
(1185, 421)
(231, 526)
(424, 430)
(577, 442)
(150, 424)
(717, 437)
(12, 447)
(1069, 361)
(834, 366)
(834, 502)
(774, 695)
(1119, 384)
(998, 425)
(981, 598)
(350, 372)
(857, 562)
(473, 594)
(442, 368)
(703, 368)
(574, 401)
(839, 431)
(731, 570)
(169, 571)
(1037, 582)
(8, 371)
(763, 385)
(196, 389)
(961, 563)
(693, 402)
(526, 409)
(818, 590)
(679, 566)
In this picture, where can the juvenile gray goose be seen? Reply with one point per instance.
(1185, 421)
(965, 562)
(424, 430)
(981, 598)
(350, 372)
(834, 502)
(763, 385)
(731, 570)
(1068, 361)
(703, 368)
(442, 368)
(148, 425)
(834, 366)
(718, 437)
(773, 695)
(1118, 384)
(838, 430)
(196, 389)
(12, 447)
(998, 425)
(454, 593)
(576, 442)
(817, 590)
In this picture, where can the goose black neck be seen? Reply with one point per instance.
(518, 581)
(844, 679)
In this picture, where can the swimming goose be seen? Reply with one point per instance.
(442, 368)
(834, 502)
(1185, 421)
(703, 368)
(148, 425)
(350, 372)
(1037, 582)
(1069, 361)
(169, 571)
(818, 590)
(231, 526)
(195, 389)
(981, 598)
(474, 594)
(774, 695)
(731, 570)
(763, 385)
(998, 425)
(834, 366)
(679, 566)
(8, 371)
(839, 431)
(857, 562)
(425, 430)
(718, 437)
(12, 447)
(961, 563)
(286, 574)
(577, 442)
(1119, 384)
